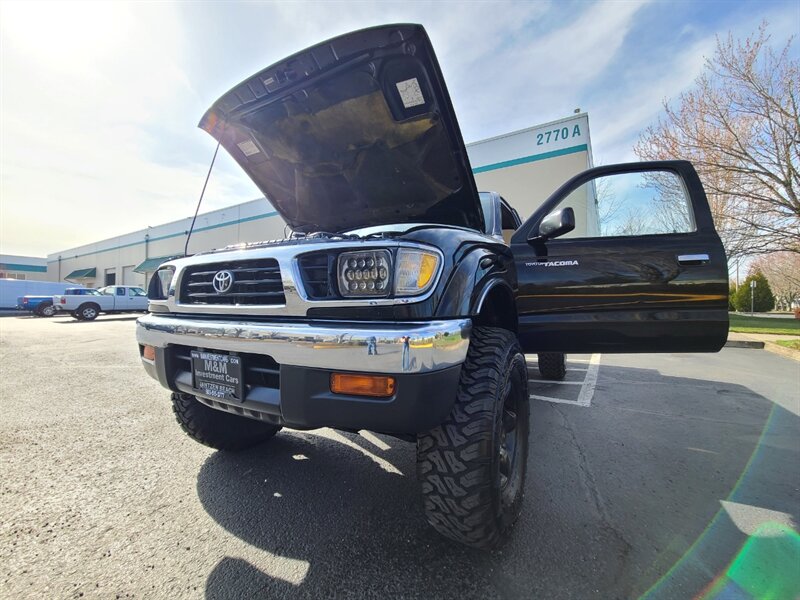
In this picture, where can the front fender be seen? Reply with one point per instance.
(475, 275)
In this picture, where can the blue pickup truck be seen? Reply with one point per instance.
(42, 306)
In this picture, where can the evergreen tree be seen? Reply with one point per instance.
(763, 299)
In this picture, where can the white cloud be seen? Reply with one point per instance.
(85, 88)
(617, 120)
(100, 101)
(619, 117)
(540, 78)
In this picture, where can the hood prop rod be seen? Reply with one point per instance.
(197, 210)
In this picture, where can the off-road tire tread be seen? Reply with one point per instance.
(552, 365)
(217, 429)
(454, 460)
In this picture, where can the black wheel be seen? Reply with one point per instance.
(553, 365)
(472, 466)
(217, 429)
(88, 312)
(45, 309)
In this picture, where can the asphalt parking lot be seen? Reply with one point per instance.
(649, 474)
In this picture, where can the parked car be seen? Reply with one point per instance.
(86, 305)
(392, 308)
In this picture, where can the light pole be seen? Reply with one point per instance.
(752, 294)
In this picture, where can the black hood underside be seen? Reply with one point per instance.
(356, 131)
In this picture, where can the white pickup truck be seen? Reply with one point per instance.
(111, 299)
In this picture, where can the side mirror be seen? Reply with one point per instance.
(555, 224)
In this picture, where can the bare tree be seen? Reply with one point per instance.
(609, 205)
(740, 126)
(638, 204)
(782, 270)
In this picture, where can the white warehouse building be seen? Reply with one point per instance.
(524, 167)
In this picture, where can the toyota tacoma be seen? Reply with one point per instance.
(404, 301)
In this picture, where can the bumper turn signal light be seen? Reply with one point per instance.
(377, 386)
(148, 352)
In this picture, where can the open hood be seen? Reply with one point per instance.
(352, 132)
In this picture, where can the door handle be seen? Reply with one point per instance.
(693, 259)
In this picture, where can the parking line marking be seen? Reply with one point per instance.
(531, 359)
(550, 399)
(590, 383)
(588, 386)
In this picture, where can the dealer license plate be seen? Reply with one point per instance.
(218, 375)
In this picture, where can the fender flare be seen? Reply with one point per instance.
(477, 306)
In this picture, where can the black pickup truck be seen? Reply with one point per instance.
(402, 303)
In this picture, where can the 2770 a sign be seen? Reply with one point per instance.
(559, 133)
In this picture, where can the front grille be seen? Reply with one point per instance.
(254, 282)
(317, 271)
(259, 370)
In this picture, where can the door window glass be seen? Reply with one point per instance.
(120, 291)
(630, 204)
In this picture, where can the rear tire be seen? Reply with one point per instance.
(553, 365)
(218, 429)
(88, 312)
(45, 309)
(472, 466)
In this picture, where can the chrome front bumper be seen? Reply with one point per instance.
(421, 347)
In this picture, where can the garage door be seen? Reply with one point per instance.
(128, 276)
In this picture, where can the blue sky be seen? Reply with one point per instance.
(99, 102)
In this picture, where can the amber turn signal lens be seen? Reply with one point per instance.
(148, 352)
(378, 386)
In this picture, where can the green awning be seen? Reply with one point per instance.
(152, 264)
(82, 274)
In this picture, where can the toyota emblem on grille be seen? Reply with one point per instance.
(223, 281)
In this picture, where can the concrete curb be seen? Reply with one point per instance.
(783, 351)
(744, 344)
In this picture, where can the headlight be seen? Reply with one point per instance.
(415, 271)
(365, 274)
(372, 274)
(159, 283)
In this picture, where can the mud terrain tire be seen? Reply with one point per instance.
(553, 365)
(217, 429)
(472, 466)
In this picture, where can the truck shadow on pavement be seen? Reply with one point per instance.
(616, 495)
